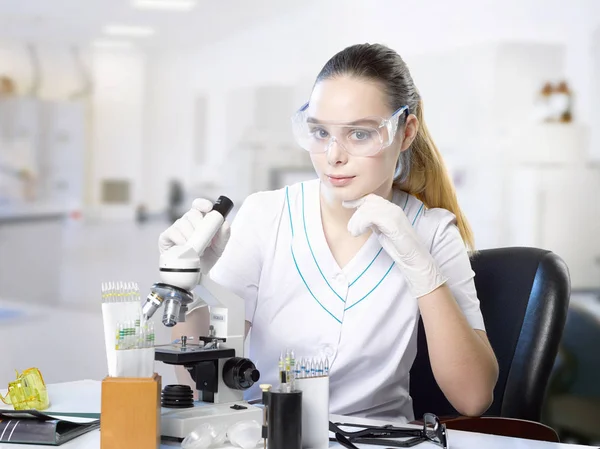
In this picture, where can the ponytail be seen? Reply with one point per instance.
(429, 180)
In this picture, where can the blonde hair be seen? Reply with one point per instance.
(429, 180)
(421, 170)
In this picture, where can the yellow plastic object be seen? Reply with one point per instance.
(28, 391)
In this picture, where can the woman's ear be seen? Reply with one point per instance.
(411, 128)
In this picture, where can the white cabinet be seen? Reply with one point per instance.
(19, 147)
(46, 139)
(62, 158)
(550, 145)
(19, 119)
(552, 199)
(559, 209)
(570, 215)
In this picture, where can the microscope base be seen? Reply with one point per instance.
(178, 423)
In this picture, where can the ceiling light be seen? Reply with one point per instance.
(129, 31)
(112, 44)
(165, 5)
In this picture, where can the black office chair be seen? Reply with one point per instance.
(524, 295)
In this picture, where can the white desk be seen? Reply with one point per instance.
(84, 397)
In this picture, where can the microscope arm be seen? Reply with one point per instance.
(227, 313)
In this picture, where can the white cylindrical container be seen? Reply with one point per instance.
(315, 411)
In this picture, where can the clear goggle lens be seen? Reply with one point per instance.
(365, 137)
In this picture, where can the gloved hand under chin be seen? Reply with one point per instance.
(398, 239)
(180, 232)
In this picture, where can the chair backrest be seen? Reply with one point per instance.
(524, 295)
(579, 351)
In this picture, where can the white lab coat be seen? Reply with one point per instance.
(362, 317)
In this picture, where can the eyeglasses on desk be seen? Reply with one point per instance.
(432, 431)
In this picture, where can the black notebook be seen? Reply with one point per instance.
(34, 427)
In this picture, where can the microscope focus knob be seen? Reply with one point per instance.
(240, 373)
(252, 375)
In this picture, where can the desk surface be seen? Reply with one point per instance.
(85, 398)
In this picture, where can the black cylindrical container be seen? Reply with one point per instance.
(284, 425)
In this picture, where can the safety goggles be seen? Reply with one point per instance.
(364, 137)
(28, 391)
(432, 431)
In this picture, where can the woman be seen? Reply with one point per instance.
(343, 266)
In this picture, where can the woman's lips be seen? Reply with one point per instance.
(339, 180)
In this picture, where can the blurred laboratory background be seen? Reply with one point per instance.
(116, 114)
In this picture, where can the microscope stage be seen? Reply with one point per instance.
(175, 354)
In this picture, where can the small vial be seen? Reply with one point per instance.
(119, 336)
(138, 333)
(297, 370)
(301, 367)
(130, 292)
(281, 367)
(130, 334)
(288, 361)
(292, 370)
(266, 388)
(150, 340)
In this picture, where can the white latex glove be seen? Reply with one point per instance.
(398, 238)
(180, 232)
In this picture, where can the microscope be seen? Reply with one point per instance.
(215, 361)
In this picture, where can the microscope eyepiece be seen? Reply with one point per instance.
(223, 205)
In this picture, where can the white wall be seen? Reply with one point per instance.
(118, 105)
(282, 52)
(168, 133)
(291, 49)
(411, 28)
(286, 50)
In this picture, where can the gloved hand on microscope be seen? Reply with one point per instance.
(180, 232)
(188, 250)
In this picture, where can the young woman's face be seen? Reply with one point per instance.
(345, 176)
